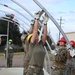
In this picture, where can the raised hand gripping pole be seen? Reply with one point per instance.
(53, 20)
(34, 17)
(31, 15)
(40, 23)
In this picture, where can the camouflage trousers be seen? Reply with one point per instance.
(69, 67)
(26, 64)
(32, 70)
(9, 60)
(73, 72)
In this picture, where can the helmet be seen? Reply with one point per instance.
(72, 43)
(10, 40)
(29, 36)
(11, 16)
(62, 40)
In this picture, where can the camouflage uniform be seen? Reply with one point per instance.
(70, 66)
(60, 61)
(26, 49)
(73, 72)
(28, 57)
(37, 60)
(10, 54)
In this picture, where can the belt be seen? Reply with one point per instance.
(34, 67)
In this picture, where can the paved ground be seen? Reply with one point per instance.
(15, 71)
(17, 61)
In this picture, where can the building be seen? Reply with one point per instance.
(70, 35)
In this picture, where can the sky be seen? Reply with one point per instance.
(57, 8)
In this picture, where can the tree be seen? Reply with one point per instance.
(14, 32)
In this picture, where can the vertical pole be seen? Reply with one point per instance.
(7, 39)
(48, 66)
(60, 26)
(0, 40)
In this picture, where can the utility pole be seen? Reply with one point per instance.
(60, 24)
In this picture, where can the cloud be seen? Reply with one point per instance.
(51, 2)
(73, 12)
(32, 7)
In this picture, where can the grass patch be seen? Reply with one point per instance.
(1, 54)
(16, 53)
(19, 53)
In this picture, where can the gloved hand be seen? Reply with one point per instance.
(45, 19)
(68, 46)
(72, 52)
(38, 14)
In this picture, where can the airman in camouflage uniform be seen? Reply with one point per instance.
(26, 48)
(10, 53)
(37, 48)
(70, 64)
(60, 59)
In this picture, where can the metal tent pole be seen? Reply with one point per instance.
(33, 17)
(23, 8)
(54, 21)
(12, 22)
(7, 39)
(48, 60)
(15, 11)
(15, 16)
